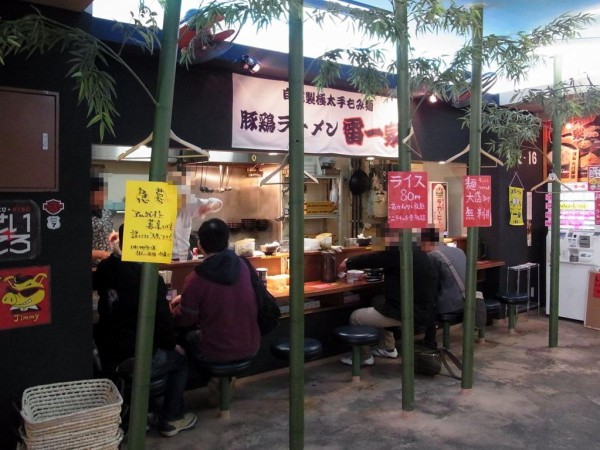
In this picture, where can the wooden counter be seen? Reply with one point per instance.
(275, 264)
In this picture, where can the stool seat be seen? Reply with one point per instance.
(513, 298)
(312, 349)
(453, 317)
(357, 334)
(157, 387)
(491, 304)
(492, 308)
(225, 371)
(446, 319)
(124, 381)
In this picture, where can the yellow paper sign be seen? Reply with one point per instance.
(515, 200)
(150, 214)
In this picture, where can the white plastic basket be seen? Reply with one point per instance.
(70, 406)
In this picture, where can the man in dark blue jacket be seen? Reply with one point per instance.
(118, 286)
(386, 310)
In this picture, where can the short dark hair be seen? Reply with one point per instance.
(213, 235)
(430, 235)
(97, 184)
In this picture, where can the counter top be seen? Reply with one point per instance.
(316, 288)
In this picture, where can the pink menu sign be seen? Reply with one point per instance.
(407, 199)
(477, 201)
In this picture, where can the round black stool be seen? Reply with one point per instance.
(492, 308)
(511, 301)
(225, 371)
(312, 349)
(357, 335)
(447, 320)
(156, 389)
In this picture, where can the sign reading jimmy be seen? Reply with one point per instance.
(25, 297)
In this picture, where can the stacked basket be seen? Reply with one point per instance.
(81, 414)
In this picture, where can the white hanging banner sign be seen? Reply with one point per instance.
(335, 122)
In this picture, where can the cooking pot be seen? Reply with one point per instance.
(359, 182)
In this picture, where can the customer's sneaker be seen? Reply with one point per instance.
(365, 362)
(169, 429)
(385, 353)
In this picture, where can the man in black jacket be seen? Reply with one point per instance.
(386, 310)
(118, 286)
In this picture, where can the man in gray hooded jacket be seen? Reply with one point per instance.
(451, 266)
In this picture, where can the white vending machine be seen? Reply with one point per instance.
(579, 254)
(579, 249)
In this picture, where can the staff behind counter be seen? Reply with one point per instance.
(190, 207)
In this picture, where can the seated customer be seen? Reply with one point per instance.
(386, 312)
(218, 298)
(118, 285)
(451, 266)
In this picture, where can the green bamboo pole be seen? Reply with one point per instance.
(296, 149)
(555, 218)
(158, 168)
(406, 263)
(473, 232)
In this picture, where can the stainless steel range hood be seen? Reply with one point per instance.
(185, 156)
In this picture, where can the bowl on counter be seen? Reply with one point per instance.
(363, 242)
(249, 224)
(234, 227)
(269, 249)
(262, 224)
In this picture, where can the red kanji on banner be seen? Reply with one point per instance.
(477, 201)
(407, 199)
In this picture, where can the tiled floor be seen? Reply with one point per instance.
(524, 395)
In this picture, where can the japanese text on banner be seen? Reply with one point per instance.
(407, 199)
(150, 213)
(477, 201)
(515, 205)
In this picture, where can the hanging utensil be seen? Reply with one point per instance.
(227, 175)
(202, 179)
(221, 188)
(359, 181)
(208, 190)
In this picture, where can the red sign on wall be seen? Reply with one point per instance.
(596, 208)
(25, 294)
(477, 201)
(407, 199)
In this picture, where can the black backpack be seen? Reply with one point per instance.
(268, 310)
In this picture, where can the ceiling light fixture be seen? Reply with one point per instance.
(250, 64)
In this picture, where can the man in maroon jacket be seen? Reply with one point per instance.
(219, 299)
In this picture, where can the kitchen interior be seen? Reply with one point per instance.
(254, 191)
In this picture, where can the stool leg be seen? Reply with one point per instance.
(356, 363)
(512, 319)
(224, 383)
(446, 335)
